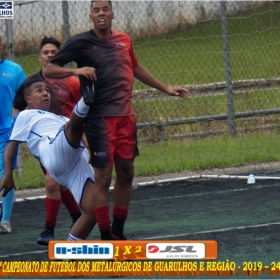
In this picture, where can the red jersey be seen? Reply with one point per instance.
(65, 93)
(113, 59)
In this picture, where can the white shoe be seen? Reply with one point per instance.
(5, 227)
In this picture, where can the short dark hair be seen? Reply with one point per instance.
(49, 40)
(19, 99)
(28, 85)
(110, 2)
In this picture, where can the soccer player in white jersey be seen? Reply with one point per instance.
(56, 142)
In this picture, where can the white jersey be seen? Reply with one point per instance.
(45, 137)
(36, 127)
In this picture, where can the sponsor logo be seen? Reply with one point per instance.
(99, 154)
(7, 10)
(7, 74)
(120, 45)
(74, 250)
(175, 250)
(63, 91)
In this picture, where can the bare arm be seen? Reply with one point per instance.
(54, 71)
(9, 157)
(143, 75)
(85, 141)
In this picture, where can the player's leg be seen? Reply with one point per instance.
(122, 194)
(70, 203)
(101, 204)
(84, 225)
(125, 151)
(8, 200)
(67, 143)
(52, 205)
(7, 206)
(98, 134)
(74, 128)
(80, 182)
(1, 177)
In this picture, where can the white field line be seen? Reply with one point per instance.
(236, 177)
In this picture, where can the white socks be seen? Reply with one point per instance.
(73, 238)
(81, 109)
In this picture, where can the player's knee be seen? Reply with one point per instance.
(104, 179)
(125, 176)
(52, 186)
(62, 188)
(124, 169)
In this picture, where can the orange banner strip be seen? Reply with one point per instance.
(136, 250)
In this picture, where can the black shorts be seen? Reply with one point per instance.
(111, 137)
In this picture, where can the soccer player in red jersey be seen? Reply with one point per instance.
(106, 57)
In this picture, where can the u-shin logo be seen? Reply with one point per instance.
(75, 250)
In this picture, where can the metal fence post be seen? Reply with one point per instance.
(161, 134)
(10, 39)
(66, 25)
(11, 56)
(230, 104)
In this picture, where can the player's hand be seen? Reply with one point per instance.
(179, 91)
(88, 72)
(7, 185)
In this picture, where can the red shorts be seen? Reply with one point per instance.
(111, 137)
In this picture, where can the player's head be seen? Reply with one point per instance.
(101, 14)
(37, 95)
(93, 1)
(49, 47)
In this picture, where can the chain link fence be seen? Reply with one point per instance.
(226, 53)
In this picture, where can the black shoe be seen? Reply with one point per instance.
(108, 235)
(124, 237)
(46, 236)
(87, 90)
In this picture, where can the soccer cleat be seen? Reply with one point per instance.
(108, 235)
(124, 237)
(5, 227)
(119, 237)
(87, 90)
(46, 236)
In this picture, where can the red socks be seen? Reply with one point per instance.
(119, 213)
(119, 217)
(103, 218)
(102, 215)
(52, 208)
